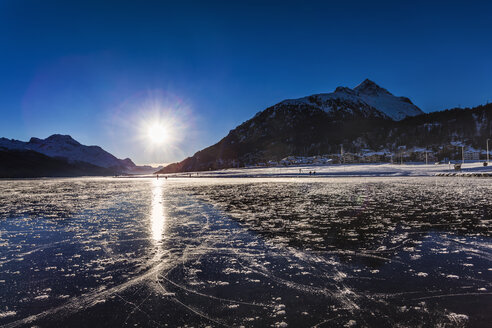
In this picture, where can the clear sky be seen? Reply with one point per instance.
(102, 70)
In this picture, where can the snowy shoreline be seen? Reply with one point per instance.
(343, 170)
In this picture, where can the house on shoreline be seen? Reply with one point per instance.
(415, 154)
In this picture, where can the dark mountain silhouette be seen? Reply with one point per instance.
(31, 164)
(60, 155)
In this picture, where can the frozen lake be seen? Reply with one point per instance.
(266, 252)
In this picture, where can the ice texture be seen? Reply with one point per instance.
(269, 252)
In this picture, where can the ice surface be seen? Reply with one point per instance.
(246, 252)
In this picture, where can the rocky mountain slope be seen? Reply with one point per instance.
(64, 146)
(61, 155)
(366, 117)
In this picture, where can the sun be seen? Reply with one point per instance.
(157, 133)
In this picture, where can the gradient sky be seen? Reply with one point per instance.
(97, 69)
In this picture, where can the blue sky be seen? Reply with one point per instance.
(95, 69)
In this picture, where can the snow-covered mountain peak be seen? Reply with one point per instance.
(56, 139)
(346, 90)
(62, 138)
(368, 87)
(58, 145)
(395, 107)
(368, 99)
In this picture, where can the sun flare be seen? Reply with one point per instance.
(159, 123)
(157, 133)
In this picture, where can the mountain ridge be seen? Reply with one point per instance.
(61, 155)
(322, 123)
(58, 145)
(365, 95)
(19, 163)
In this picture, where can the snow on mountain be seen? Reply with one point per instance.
(65, 146)
(366, 98)
(323, 123)
(11, 144)
(395, 107)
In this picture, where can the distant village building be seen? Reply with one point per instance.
(299, 160)
(349, 158)
(373, 157)
(423, 156)
(366, 156)
(472, 156)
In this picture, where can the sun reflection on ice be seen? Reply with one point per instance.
(157, 218)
